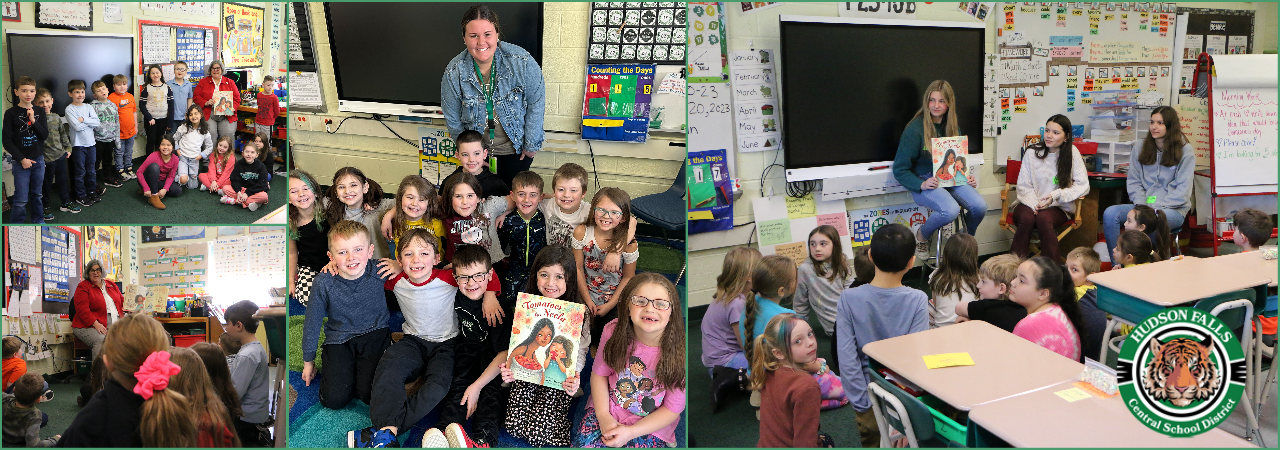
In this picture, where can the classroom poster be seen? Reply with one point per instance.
(209, 9)
(950, 160)
(616, 103)
(755, 100)
(708, 55)
(162, 234)
(23, 244)
(637, 33)
(864, 222)
(184, 270)
(242, 27)
(710, 192)
(103, 244)
(436, 155)
(783, 224)
(545, 336)
(60, 252)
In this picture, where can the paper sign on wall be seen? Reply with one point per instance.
(755, 100)
(784, 223)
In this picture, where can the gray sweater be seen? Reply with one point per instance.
(353, 307)
(249, 375)
(1171, 186)
(819, 294)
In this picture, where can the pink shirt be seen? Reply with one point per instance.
(628, 401)
(1051, 329)
(168, 170)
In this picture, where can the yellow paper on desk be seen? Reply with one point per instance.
(1073, 394)
(947, 360)
(700, 215)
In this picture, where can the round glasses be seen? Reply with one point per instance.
(659, 304)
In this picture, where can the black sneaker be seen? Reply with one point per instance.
(85, 201)
(115, 183)
(98, 195)
(70, 207)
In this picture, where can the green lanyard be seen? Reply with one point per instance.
(488, 94)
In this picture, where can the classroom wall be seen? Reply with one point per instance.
(760, 30)
(640, 169)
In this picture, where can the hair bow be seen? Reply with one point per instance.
(154, 374)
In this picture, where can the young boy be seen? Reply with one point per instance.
(567, 208)
(1253, 229)
(57, 150)
(523, 234)
(863, 272)
(182, 95)
(107, 135)
(82, 119)
(426, 297)
(14, 365)
(1082, 262)
(268, 111)
(25, 129)
(357, 331)
(22, 421)
(882, 309)
(994, 278)
(128, 107)
(249, 373)
(474, 158)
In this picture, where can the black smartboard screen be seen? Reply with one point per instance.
(848, 90)
(55, 60)
(397, 52)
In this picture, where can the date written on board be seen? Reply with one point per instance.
(875, 7)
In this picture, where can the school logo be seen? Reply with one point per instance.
(1181, 372)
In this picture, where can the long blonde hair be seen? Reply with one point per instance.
(776, 336)
(735, 276)
(194, 382)
(167, 417)
(949, 120)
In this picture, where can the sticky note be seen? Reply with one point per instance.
(948, 360)
(794, 250)
(700, 215)
(799, 208)
(1072, 395)
(838, 220)
(774, 232)
(1151, 199)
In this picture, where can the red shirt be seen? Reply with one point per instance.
(203, 92)
(14, 368)
(268, 109)
(90, 307)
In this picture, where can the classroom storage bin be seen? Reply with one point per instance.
(187, 340)
(1113, 157)
(943, 426)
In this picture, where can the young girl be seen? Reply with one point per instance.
(215, 362)
(262, 139)
(721, 345)
(1047, 186)
(194, 143)
(308, 243)
(155, 100)
(158, 173)
(134, 409)
(470, 219)
(962, 171)
(417, 206)
(355, 197)
(604, 232)
(193, 382)
(248, 186)
(1053, 321)
(955, 281)
(822, 277)
(650, 332)
(540, 414)
(221, 163)
(773, 279)
(1132, 249)
(790, 399)
(1154, 223)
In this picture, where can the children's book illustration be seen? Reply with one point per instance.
(950, 163)
(545, 334)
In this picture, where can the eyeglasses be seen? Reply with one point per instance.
(477, 278)
(614, 214)
(659, 304)
(95, 270)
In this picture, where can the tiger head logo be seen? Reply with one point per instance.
(1180, 371)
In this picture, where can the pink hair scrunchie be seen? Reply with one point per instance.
(154, 374)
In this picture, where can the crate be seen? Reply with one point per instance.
(187, 340)
(943, 426)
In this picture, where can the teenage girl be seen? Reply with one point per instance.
(721, 343)
(644, 346)
(193, 382)
(194, 143)
(417, 206)
(221, 163)
(540, 414)
(1133, 249)
(773, 279)
(158, 173)
(790, 399)
(1047, 185)
(604, 232)
(355, 197)
(1053, 320)
(134, 409)
(955, 281)
(308, 244)
(1154, 223)
(1159, 176)
(913, 166)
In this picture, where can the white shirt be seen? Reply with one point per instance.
(560, 224)
(112, 314)
(1036, 180)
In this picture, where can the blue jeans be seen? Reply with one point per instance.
(83, 176)
(56, 173)
(28, 190)
(1113, 222)
(945, 205)
(125, 153)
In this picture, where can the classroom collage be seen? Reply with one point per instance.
(639, 224)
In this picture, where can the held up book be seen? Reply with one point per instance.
(950, 160)
(545, 335)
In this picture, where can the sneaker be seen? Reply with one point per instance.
(48, 216)
(85, 201)
(203, 188)
(115, 183)
(132, 175)
(433, 438)
(458, 438)
(70, 207)
(922, 247)
(227, 200)
(254, 206)
(98, 195)
(371, 438)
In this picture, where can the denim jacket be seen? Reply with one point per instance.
(518, 103)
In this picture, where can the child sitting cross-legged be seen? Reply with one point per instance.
(22, 420)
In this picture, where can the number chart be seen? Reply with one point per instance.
(616, 104)
(637, 32)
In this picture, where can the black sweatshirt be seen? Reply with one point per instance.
(23, 139)
(252, 177)
(110, 419)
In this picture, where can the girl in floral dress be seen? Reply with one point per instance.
(604, 232)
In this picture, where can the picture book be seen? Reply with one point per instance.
(545, 336)
(223, 105)
(146, 299)
(950, 160)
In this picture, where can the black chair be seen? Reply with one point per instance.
(665, 209)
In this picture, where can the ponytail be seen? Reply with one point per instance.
(1136, 244)
(167, 421)
(1163, 239)
(760, 363)
(137, 347)
(776, 336)
(750, 309)
(773, 272)
(1057, 279)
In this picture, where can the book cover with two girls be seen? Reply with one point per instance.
(545, 336)
(950, 160)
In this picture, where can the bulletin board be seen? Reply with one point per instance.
(183, 269)
(255, 255)
(167, 43)
(243, 31)
(103, 244)
(1216, 32)
(783, 224)
(60, 261)
(1041, 46)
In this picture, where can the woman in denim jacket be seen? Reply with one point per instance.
(499, 82)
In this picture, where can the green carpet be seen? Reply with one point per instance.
(659, 258)
(123, 205)
(62, 409)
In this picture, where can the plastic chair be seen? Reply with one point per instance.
(665, 209)
(1235, 310)
(891, 404)
(1006, 203)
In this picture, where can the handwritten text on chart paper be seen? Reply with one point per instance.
(1250, 124)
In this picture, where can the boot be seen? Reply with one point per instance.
(155, 201)
(724, 382)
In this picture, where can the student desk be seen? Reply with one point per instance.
(1004, 364)
(1042, 419)
(1249, 263)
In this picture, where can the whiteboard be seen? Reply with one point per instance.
(1035, 39)
(1244, 123)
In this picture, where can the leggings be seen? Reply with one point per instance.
(1044, 222)
(152, 174)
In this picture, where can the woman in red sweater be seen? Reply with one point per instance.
(790, 398)
(93, 312)
(204, 95)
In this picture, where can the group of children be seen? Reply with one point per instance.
(144, 392)
(460, 258)
(751, 342)
(54, 154)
